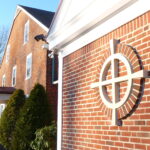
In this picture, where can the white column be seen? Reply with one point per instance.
(59, 107)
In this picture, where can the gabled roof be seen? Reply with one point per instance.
(45, 17)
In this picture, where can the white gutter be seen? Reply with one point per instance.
(59, 107)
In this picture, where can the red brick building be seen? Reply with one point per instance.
(25, 62)
(104, 63)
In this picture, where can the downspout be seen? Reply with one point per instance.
(59, 102)
(59, 111)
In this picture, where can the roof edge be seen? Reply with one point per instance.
(32, 17)
(18, 9)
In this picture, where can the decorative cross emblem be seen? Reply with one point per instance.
(115, 80)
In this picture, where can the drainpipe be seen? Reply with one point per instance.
(60, 83)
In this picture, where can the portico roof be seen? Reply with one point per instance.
(5, 93)
(7, 90)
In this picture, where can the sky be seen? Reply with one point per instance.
(8, 8)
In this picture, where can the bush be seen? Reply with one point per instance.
(34, 115)
(10, 116)
(45, 138)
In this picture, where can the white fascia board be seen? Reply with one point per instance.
(111, 24)
(85, 20)
(118, 15)
(33, 18)
(59, 107)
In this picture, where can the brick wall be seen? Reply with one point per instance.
(51, 88)
(86, 120)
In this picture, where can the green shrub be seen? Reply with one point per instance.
(45, 138)
(9, 117)
(34, 115)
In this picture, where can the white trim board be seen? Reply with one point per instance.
(110, 20)
(113, 23)
(59, 107)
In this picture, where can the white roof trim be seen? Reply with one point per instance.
(33, 18)
(74, 38)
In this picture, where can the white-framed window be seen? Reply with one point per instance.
(29, 66)
(55, 69)
(7, 53)
(3, 80)
(2, 107)
(14, 72)
(26, 32)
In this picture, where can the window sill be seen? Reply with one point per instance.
(55, 82)
(27, 78)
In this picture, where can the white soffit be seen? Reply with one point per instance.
(84, 28)
(67, 11)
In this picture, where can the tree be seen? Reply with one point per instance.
(34, 115)
(3, 39)
(10, 116)
(45, 138)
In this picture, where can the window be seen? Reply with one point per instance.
(2, 107)
(55, 70)
(14, 71)
(28, 66)
(3, 80)
(26, 32)
(7, 53)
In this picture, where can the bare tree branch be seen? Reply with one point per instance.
(3, 39)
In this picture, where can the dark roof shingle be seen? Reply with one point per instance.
(45, 17)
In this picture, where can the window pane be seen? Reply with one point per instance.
(3, 80)
(7, 53)
(26, 32)
(28, 66)
(14, 76)
(54, 68)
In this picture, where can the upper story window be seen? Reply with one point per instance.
(3, 80)
(29, 66)
(7, 53)
(2, 107)
(26, 32)
(14, 72)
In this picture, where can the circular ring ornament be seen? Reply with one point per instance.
(113, 60)
(115, 103)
